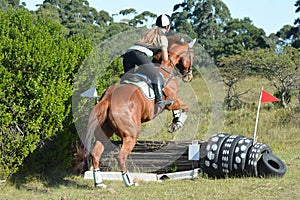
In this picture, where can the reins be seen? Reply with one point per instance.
(185, 71)
(172, 75)
(189, 70)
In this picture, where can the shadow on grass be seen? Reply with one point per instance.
(50, 167)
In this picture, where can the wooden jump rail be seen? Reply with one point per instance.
(154, 156)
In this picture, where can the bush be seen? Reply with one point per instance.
(37, 64)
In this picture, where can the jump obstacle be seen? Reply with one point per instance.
(222, 155)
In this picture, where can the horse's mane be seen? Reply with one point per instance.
(175, 40)
(172, 40)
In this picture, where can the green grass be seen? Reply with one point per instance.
(201, 188)
(279, 128)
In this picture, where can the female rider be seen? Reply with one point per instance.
(150, 44)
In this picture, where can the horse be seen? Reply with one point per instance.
(123, 108)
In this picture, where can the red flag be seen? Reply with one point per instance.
(266, 97)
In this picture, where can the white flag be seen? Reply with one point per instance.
(92, 93)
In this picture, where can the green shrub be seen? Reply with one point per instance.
(37, 64)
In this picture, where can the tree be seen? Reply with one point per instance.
(233, 70)
(217, 32)
(208, 19)
(138, 18)
(128, 11)
(116, 28)
(297, 4)
(281, 69)
(142, 18)
(5, 4)
(242, 35)
(77, 16)
(290, 35)
(182, 24)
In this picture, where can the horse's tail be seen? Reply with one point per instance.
(97, 117)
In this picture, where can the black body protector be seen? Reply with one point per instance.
(140, 55)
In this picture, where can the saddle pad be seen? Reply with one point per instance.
(148, 91)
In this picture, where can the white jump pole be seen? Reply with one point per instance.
(257, 116)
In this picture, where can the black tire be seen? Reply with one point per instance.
(254, 155)
(240, 156)
(270, 166)
(227, 153)
(212, 166)
(232, 153)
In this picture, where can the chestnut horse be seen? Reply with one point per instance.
(123, 108)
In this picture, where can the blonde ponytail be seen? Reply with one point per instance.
(152, 37)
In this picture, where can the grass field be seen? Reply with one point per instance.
(279, 128)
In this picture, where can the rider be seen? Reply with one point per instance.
(150, 44)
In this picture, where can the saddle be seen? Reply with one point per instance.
(141, 81)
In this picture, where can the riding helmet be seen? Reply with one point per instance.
(163, 20)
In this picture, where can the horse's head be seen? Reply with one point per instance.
(181, 55)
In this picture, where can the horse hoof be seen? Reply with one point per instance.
(173, 127)
(134, 184)
(100, 185)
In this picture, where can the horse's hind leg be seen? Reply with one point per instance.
(102, 140)
(127, 147)
(96, 154)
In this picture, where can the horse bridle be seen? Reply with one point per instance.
(189, 70)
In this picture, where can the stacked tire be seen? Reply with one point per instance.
(236, 155)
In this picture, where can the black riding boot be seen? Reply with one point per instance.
(160, 103)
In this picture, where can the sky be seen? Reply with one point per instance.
(271, 15)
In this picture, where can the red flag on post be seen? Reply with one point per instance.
(266, 97)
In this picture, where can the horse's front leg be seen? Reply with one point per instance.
(178, 120)
(179, 110)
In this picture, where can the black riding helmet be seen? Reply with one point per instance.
(163, 20)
